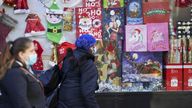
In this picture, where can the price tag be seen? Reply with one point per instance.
(174, 82)
(190, 82)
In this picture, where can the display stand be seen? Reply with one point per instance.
(182, 99)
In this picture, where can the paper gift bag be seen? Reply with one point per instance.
(156, 12)
(158, 39)
(136, 38)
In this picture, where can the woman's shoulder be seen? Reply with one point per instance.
(82, 55)
(15, 72)
(13, 75)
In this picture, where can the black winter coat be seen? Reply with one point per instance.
(78, 88)
(20, 90)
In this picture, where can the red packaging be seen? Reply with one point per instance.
(173, 77)
(187, 77)
(62, 51)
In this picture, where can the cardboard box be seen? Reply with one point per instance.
(187, 77)
(173, 77)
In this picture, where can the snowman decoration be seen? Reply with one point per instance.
(54, 23)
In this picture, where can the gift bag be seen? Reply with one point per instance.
(136, 38)
(134, 12)
(156, 12)
(158, 37)
(88, 21)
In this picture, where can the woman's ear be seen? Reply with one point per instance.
(21, 55)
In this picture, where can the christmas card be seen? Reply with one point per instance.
(156, 12)
(134, 12)
(136, 38)
(92, 3)
(88, 21)
(113, 23)
(142, 67)
(158, 37)
(113, 3)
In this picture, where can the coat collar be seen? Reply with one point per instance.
(84, 54)
(18, 64)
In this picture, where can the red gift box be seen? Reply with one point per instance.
(173, 77)
(187, 77)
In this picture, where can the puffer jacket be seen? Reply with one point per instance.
(78, 88)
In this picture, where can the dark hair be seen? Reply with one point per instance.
(11, 52)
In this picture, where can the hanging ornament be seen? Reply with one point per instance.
(183, 3)
(10, 3)
(7, 23)
(21, 7)
(54, 17)
(34, 26)
(39, 50)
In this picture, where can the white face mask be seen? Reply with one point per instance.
(32, 59)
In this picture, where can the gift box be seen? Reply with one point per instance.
(173, 77)
(187, 77)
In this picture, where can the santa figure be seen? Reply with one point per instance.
(21, 6)
(136, 36)
(34, 26)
